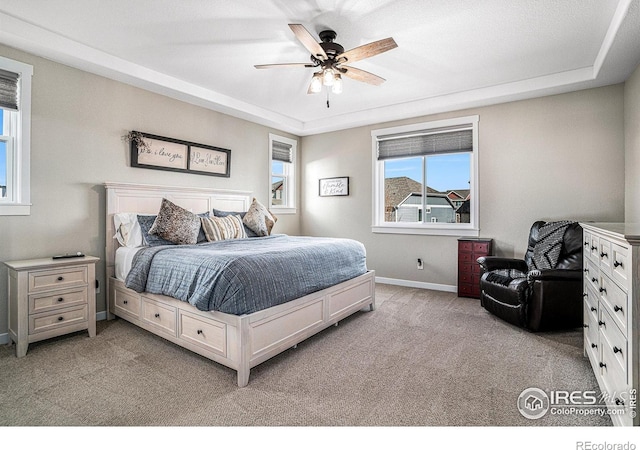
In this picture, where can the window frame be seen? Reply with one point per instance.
(289, 176)
(471, 229)
(18, 201)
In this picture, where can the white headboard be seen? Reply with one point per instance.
(146, 199)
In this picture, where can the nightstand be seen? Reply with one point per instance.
(50, 297)
(469, 271)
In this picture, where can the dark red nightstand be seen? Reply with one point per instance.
(469, 272)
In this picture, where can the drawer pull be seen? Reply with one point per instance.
(199, 331)
(157, 315)
(617, 308)
(586, 244)
(60, 299)
(616, 264)
(594, 346)
(603, 364)
(619, 401)
(585, 295)
(600, 322)
(586, 270)
(60, 318)
(604, 255)
(125, 302)
(593, 248)
(603, 290)
(616, 349)
(594, 280)
(593, 308)
(585, 325)
(60, 278)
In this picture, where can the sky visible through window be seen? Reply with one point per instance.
(444, 172)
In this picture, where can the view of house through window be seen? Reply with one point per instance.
(282, 156)
(278, 183)
(444, 180)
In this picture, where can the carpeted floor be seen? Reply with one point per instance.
(422, 358)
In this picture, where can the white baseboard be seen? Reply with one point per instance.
(417, 284)
(101, 315)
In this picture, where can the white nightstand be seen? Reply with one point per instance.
(50, 297)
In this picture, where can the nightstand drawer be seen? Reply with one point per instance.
(57, 278)
(60, 299)
(42, 322)
(159, 315)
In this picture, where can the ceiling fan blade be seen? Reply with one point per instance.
(308, 41)
(362, 75)
(368, 50)
(284, 65)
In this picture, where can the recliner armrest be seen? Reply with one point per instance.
(489, 263)
(554, 274)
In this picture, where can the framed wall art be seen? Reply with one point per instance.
(158, 152)
(330, 187)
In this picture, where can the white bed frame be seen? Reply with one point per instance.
(238, 342)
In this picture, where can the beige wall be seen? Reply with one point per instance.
(78, 120)
(557, 157)
(632, 146)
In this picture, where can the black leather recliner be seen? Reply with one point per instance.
(536, 299)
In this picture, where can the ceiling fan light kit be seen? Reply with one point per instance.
(331, 58)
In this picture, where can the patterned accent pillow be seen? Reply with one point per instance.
(259, 219)
(220, 213)
(222, 228)
(176, 224)
(146, 222)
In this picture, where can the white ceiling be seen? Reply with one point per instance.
(450, 55)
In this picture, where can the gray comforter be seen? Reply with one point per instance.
(242, 276)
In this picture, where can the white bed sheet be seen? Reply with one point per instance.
(124, 258)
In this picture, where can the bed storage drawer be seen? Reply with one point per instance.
(340, 302)
(209, 334)
(159, 315)
(126, 304)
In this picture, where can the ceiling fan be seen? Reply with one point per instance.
(332, 60)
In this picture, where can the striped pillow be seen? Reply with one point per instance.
(222, 228)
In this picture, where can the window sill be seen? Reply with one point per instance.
(431, 231)
(15, 209)
(283, 211)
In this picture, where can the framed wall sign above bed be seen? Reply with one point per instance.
(151, 151)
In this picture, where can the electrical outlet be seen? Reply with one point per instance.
(420, 265)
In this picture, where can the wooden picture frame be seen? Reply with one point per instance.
(331, 187)
(150, 151)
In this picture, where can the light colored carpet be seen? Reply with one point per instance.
(422, 358)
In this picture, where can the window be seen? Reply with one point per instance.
(282, 158)
(426, 178)
(15, 126)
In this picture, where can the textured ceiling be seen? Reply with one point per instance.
(450, 55)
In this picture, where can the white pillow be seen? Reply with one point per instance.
(128, 231)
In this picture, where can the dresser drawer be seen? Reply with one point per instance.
(614, 343)
(592, 275)
(620, 265)
(159, 315)
(604, 256)
(591, 334)
(57, 278)
(60, 299)
(39, 323)
(615, 300)
(594, 247)
(209, 334)
(465, 246)
(591, 300)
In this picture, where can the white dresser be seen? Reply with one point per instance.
(611, 293)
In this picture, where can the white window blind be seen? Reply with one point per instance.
(281, 152)
(8, 90)
(421, 143)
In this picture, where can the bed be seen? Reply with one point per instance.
(248, 336)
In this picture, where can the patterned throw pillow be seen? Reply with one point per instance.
(176, 224)
(222, 228)
(259, 219)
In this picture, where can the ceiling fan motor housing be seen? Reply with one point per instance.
(331, 48)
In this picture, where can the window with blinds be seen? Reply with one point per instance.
(15, 121)
(426, 177)
(282, 173)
